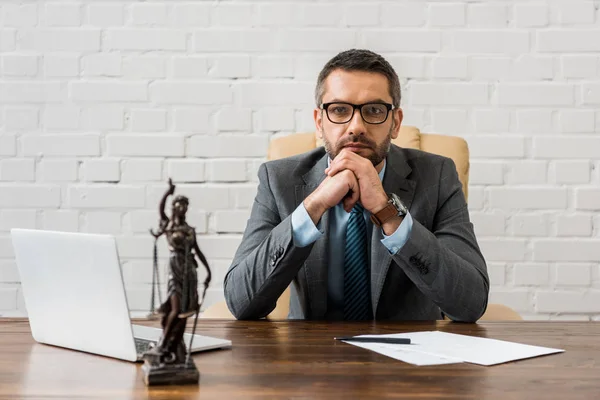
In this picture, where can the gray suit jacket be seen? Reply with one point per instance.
(439, 270)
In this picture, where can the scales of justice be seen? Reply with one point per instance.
(169, 362)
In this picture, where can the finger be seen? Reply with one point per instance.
(341, 166)
(351, 201)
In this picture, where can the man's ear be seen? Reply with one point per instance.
(317, 115)
(397, 116)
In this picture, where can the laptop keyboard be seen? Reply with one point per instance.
(142, 345)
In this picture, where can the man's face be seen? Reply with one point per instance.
(371, 141)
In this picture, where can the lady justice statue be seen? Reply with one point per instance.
(169, 362)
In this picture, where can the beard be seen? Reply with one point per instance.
(376, 156)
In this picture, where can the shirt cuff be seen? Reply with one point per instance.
(304, 230)
(396, 240)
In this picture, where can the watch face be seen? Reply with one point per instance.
(402, 210)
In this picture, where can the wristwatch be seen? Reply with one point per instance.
(395, 207)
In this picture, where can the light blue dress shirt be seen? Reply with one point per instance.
(305, 232)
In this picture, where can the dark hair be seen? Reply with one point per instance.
(180, 199)
(360, 60)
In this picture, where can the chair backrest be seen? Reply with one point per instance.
(410, 137)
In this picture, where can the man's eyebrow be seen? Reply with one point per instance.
(378, 100)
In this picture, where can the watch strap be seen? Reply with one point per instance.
(384, 214)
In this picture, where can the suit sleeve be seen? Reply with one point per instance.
(446, 263)
(266, 261)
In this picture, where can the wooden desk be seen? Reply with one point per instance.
(300, 360)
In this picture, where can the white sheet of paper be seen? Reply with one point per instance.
(456, 348)
(399, 353)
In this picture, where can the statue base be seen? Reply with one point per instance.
(170, 374)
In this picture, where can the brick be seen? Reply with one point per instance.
(101, 65)
(426, 93)
(9, 273)
(191, 93)
(189, 67)
(219, 247)
(231, 221)
(19, 15)
(574, 225)
(103, 91)
(358, 14)
(102, 222)
(497, 273)
(61, 118)
(380, 40)
(148, 120)
(61, 66)
(571, 172)
(576, 13)
(304, 120)
(138, 298)
(579, 66)
(31, 92)
(106, 196)
(276, 118)
(486, 173)
(317, 15)
(186, 170)
(46, 40)
(476, 198)
(493, 67)
(452, 122)
(503, 249)
(410, 14)
(6, 248)
(228, 146)
(8, 298)
(296, 94)
(446, 15)
(584, 302)
(17, 169)
(491, 42)
(191, 120)
(413, 116)
(24, 219)
(226, 171)
(276, 14)
(61, 145)
(234, 119)
(191, 15)
(135, 247)
(487, 15)
(141, 170)
(100, 118)
(496, 146)
(529, 225)
(105, 15)
(62, 14)
(531, 15)
(307, 67)
(526, 198)
(576, 121)
(29, 196)
(234, 15)
(487, 224)
(8, 39)
(531, 274)
(60, 220)
(527, 68)
(141, 220)
(405, 66)
(568, 41)
(273, 67)
(492, 121)
(21, 119)
(523, 172)
(8, 145)
(145, 39)
(19, 65)
(450, 67)
(58, 170)
(139, 67)
(242, 195)
(571, 274)
(101, 170)
(536, 94)
(231, 67)
(587, 199)
(566, 147)
(145, 145)
(149, 14)
(591, 93)
(202, 197)
(236, 40)
(585, 250)
(518, 300)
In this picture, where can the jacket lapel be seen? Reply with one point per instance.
(395, 181)
(316, 264)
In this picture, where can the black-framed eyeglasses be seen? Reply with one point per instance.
(372, 113)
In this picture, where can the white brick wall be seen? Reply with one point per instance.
(101, 102)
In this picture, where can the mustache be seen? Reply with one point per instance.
(356, 139)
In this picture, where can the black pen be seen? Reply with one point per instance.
(388, 340)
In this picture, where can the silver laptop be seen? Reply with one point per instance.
(75, 297)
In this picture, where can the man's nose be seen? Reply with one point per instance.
(357, 124)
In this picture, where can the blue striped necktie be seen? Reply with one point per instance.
(357, 293)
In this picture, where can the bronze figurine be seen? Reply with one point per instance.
(169, 361)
